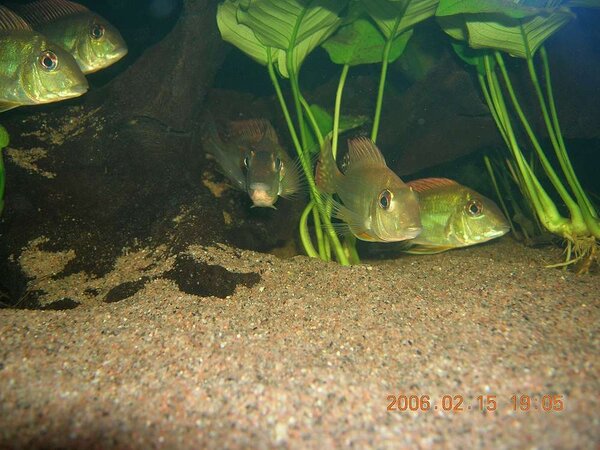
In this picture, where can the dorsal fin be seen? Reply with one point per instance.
(44, 11)
(253, 130)
(10, 21)
(362, 150)
(424, 184)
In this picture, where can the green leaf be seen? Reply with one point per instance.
(294, 26)
(240, 35)
(519, 37)
(470, 56)
(362, 43)
(507, 8)
(395, 17)
(455, 26)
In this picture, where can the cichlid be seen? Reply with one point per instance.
(34, 70)
(454, 216)
(377, 205)
(90, 39)
(254, 161)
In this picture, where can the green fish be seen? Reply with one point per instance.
(252, 158)
(377, 205)
(90, 39)
(34, 70)
(454, 216)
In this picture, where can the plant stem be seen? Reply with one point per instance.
(574, 210)
(589, 212)
(336, 111)
(319, 232)
(304, 234)
(305, 161)
(384, 67)
(543, 205)
(312, 120)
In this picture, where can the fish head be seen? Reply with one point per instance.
(477, 219)
(50, 73)
(263, 175)
(98, 43)
(395, 213)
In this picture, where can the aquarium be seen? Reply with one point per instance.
(299, 224)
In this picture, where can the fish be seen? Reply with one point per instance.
(89, 38)
(254, 160)
(454, 216)
(376, 205)
(33, 69)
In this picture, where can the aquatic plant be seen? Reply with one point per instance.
(488, 29)
(3, 143)
(280, 34)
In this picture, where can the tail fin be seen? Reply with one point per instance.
(327, 171)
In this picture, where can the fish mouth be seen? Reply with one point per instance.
(260, 196)
(408, 233)
(79, 89)
(117, 54)
(496, 233)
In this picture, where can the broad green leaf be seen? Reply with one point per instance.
(393, 18)
(470, 55)
(240, 35)
(507, 8)
(519, 37)
(455, 26)
(294, 26)
(362, 43)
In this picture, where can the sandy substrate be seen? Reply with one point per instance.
(309, 355)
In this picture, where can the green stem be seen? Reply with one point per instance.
(286, 113)
(589, 212)
(543, 205)
(384, 67)
(574, 211)
(336, 112)
(312, 120)
(304, 234)
(319, 232)
(305, 161)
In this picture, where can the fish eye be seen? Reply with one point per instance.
(97, 31)
(277, 164)
(247, 161)
(48, 60)
(385, 199)
(474, 208)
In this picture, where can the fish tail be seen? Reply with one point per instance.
(327, 171)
